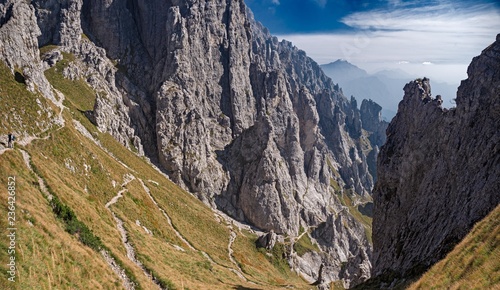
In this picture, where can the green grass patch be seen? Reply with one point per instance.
(47, 48)
(304, 245)
(21, 110)
(278, 257)
(77, 92)
(335, 185)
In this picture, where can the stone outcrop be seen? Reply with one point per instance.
(19, 46)
(267, 241)
(247, 123)
(438, 172)
(375, 127)
(371, 120)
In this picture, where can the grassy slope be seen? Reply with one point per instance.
(473, 264)
(81, 175)
(21, 112)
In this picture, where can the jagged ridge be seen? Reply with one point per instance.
(207, 92)
(438, 172)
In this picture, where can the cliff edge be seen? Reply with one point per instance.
(438, 173)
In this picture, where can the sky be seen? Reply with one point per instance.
(433, 38)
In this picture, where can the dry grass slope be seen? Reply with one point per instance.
(84, 177)
(473, 264)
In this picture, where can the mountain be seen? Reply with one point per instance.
(438, 171)
(343, 71)
(384, 87)
(249, 125)
(177, 144)
(357, 82)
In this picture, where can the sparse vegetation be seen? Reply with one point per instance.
(77, 92)
(304, 245)
(278, 258)
(335, 185)
(47, 48)
(347, 199)
(21, 111)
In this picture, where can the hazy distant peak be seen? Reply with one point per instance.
(342, 70)
(344, 64)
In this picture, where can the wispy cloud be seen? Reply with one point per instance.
(440, 18)
(442, 34)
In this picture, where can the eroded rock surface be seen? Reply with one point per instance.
(439, 171)
(247, 123)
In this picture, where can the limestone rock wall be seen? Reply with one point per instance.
(247, 123)
(438, 172)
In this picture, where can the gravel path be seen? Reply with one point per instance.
(124, 234)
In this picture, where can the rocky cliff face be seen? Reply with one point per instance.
(249, 124)
(371, 118)
(438, 172)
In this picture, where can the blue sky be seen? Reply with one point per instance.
(433, 38)
(308, 16)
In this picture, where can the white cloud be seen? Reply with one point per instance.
(445, 35)
(275, 2)
(438, 18)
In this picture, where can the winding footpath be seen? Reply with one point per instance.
(167, 217)
(127, 283)
(232, 238)
(238, 271)
(124, 235)
(120, 272)
(58, 121)
(41, 183)
(131, 254)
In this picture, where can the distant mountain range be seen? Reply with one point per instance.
(384, 87)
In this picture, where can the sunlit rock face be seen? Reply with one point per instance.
(248, 124)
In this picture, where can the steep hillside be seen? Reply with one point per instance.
(473, 263)
(91, 214)
(438, 171)
(251, 126)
